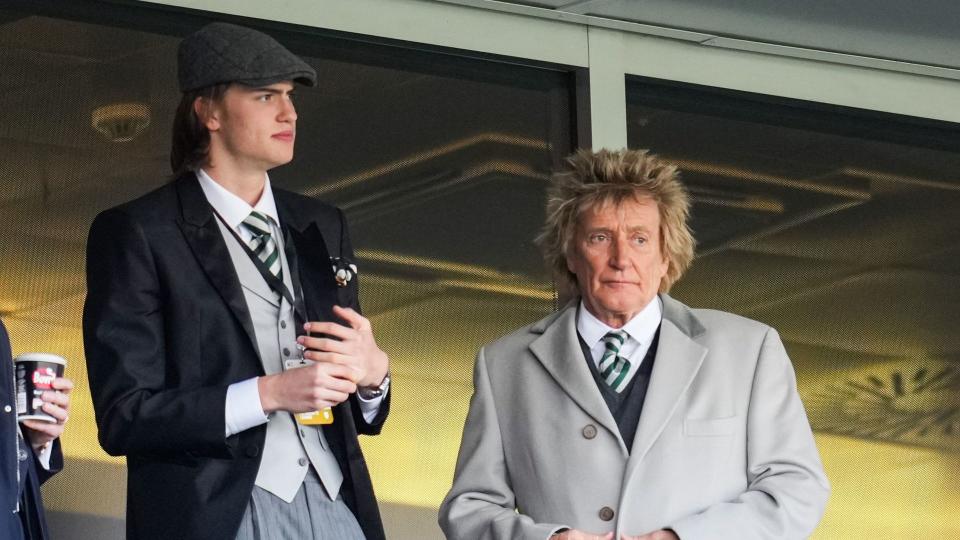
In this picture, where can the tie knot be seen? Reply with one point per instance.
(614, 369)
(615, 340)
(257, 223)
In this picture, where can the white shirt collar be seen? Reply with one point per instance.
(641, 327)
(232, 208)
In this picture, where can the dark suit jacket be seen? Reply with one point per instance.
(35, 473)
(167, 330)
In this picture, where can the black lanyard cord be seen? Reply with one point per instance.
(276, 284)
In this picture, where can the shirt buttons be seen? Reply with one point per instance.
(303, 463)
(283, 324)
(286, 352)
(589, 431)
(303, 433)
(606, 513)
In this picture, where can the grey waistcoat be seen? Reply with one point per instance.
(289, 447)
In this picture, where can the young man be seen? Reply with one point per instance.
(30, 454)
(205, 298)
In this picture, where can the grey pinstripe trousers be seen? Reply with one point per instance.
(310, 516)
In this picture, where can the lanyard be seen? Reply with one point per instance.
(276, 284)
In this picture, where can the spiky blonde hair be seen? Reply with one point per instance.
(592, 179)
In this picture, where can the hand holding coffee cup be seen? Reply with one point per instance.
(43, 396)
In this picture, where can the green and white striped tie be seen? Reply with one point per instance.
(262, 242)
(613, 367)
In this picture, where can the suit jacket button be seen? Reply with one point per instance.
(589, 431)
(606, 513)
(252, 450)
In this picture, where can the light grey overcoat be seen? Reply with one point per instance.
(723, 449)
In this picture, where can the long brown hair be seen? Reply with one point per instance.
(191, 139)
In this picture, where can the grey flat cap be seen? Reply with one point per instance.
(226, 53)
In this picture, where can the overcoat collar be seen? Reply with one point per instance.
(679, 357)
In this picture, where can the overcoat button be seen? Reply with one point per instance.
(606, 513)
(252, 450)
(589, 431)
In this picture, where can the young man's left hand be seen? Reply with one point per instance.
(354, 346)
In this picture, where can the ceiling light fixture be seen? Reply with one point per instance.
(121, 122)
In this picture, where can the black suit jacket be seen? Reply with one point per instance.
(167, 330)
(35, 473)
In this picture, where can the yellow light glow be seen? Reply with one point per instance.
(425, 156)
(880, 490)
(883, 490)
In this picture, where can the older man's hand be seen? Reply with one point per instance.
(655, 535)
(56, 403)
(573, 534)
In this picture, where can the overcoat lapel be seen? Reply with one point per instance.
(205, 240)
(558, 349)
(678, 360)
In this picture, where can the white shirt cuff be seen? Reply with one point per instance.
(44, 456)
(370, 407)
(243, 409)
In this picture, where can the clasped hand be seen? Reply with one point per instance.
(347, 358)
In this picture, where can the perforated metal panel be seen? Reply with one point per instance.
(839, 229)
(439, 162)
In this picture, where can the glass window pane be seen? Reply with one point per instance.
(839, 228)
(439, 161)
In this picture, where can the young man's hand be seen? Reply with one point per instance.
(308, 388)
(354, 346)
(347, 358)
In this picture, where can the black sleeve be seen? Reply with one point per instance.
(137, 410)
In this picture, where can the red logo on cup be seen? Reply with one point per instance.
(43, 377)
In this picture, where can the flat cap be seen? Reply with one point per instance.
(226, 53)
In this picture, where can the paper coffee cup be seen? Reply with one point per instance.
(35, 373)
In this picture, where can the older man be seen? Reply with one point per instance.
(627, 414)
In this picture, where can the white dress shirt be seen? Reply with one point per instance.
(640, 331)
(243, 408)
